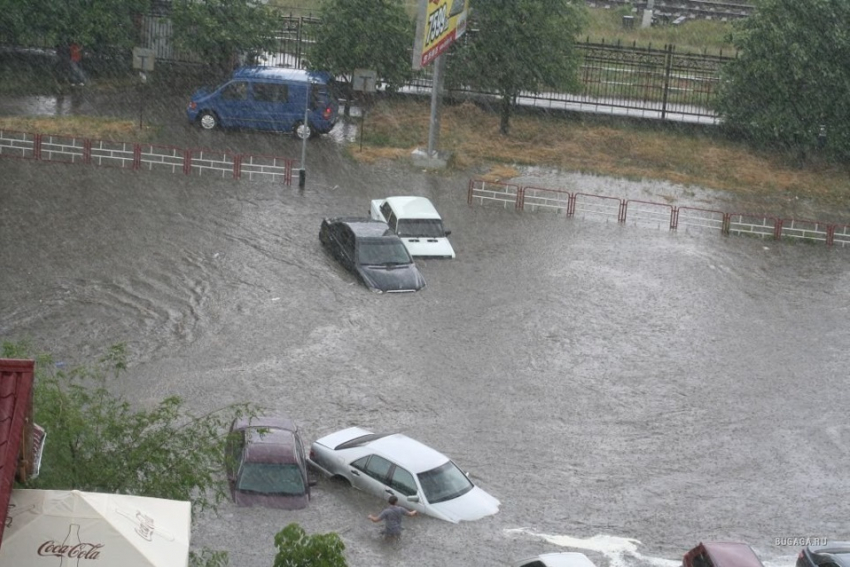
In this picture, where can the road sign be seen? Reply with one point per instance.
(438, 25)
(143, 58)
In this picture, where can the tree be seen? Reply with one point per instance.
(792, 76)
(91, 23)
(220, 30)
(364, 34)
(297, 549)
(98, 442)
(519, 45)
(95, 25)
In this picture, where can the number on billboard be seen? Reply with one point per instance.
(438, 23)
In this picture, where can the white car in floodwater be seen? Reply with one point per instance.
(395, 465)
(563, 559)
(417, 223)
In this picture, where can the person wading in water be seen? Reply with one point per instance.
(392, 515)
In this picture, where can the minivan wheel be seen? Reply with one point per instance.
(207, 120)
(302, 131)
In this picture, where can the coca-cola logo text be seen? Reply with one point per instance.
(146, 526)
(77, 551)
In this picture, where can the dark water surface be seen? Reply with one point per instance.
(607, 383)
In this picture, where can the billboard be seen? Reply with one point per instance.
(440, 22)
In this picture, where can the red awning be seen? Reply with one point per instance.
(16, 380)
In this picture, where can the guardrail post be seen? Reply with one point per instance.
(87, 151)
(668, 70)
(287, 173)
(469, 188)
(36, 147)
(621, 214)
(777, 229)
(187, 161)
(674, 218)
(519, 204)
(830, 234)
(237, 166)
(571, 204)
(727, 223)
(137, 157)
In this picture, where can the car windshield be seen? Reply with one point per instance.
(382, 251)
(444, 483)
(271, 478)
(425, 228)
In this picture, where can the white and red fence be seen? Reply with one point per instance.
(138, 156)
(648, 213)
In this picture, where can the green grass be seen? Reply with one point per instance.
(700, 36)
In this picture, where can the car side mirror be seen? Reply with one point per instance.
(414, 498)
(448, 232)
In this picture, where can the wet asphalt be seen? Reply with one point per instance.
(607, 383)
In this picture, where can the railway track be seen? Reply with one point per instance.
(702, 9)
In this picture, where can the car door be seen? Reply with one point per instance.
(270, 100)
(302, 462)
(294, 107)
(376, 210)
(234, 106)
(392, 221)
(403, 486)
(348, 245)
(233, 458)
(371, 474)
(336, 241)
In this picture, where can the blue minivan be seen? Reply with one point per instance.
(268, 98)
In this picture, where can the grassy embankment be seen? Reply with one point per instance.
(604, 146)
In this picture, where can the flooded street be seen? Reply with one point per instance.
(607, 383)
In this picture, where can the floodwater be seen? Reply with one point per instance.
(624, 391)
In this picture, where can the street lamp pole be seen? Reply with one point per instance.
(302, 173)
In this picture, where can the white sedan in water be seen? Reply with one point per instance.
(395, 465)
(563, 559)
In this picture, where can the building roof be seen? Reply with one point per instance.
(16, 379)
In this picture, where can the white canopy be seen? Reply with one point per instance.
(58, 528)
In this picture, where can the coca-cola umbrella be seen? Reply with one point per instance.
(59, 528)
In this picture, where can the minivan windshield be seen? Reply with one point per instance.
(425, 228)
(381, 251)
(444, 483)
(271, 478)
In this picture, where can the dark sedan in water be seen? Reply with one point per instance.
(370, 250)
(832, 554)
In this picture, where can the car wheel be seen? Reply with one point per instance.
(208, 120)
(302, 131)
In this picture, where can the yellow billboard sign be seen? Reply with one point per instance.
(440, 23)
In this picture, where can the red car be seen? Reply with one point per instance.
(265, 464)
(721, 554)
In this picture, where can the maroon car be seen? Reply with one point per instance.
(265, 463)
(721, 554)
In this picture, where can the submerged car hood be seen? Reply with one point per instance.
(392, 278)
(427, 246)
(473, 505)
